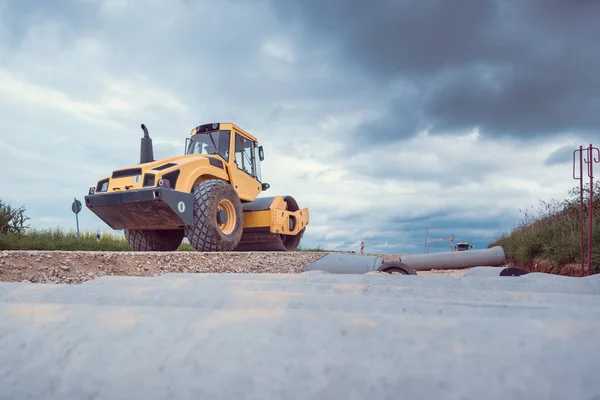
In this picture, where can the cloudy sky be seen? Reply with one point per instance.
(382, 117)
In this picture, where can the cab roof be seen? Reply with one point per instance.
(213, 126)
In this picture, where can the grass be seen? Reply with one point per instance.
(549, 236)
(58, 239)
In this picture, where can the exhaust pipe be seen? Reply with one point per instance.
(146, 150)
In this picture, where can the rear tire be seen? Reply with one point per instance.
(211, 232)
(393, 267)
(154, 240)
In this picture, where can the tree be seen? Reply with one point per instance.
(12, 220)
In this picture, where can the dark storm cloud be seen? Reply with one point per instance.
(515, 68)
(452, 222)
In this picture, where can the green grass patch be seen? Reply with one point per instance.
(59, 239)
(551, 232)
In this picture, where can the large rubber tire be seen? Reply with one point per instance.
(396, 267)
(154, 240)
(206, 233)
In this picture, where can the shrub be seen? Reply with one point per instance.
(12, 220)
(552, 232)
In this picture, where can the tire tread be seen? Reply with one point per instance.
(203, 235)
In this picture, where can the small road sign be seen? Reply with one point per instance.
(76, 208)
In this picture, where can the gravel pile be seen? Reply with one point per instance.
(80, 266)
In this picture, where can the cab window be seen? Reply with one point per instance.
(244, 154)
(216, 142)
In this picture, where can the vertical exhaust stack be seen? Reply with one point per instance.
(146, 150)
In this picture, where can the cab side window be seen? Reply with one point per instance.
(244, 154)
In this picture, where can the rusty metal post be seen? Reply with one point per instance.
(581, 216)
(591, 159)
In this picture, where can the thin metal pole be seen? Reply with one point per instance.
(581, 215)
(591, 176)
(77, 220)
(591, 159)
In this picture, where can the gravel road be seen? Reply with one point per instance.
(80, 266)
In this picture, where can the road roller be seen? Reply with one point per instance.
(209, 194)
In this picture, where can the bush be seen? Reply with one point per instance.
(552, 233)
(12, 220)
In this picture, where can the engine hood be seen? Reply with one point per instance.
(146, 175)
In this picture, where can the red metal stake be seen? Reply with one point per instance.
(590, 162)
(581, 217)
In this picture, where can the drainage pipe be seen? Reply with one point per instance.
(345, 264)
(357, 264)
(456, 259)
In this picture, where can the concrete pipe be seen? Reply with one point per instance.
(356, 264)
(456, 259)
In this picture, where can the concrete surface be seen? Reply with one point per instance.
(301, 336)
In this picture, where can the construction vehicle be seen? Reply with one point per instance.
(208, 194)
(462, 246)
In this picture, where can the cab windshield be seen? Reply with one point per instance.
(216, 142)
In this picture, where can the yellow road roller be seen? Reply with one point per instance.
(208, 194)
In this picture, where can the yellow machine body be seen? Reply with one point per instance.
(159, 194)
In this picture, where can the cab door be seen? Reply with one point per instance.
(244, 169)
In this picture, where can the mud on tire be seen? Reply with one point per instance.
(208, 232)
(154, 240)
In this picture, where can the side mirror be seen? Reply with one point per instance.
(187, 140)
(261, 153)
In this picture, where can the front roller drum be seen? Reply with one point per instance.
(269, 242)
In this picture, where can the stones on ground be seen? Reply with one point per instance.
(81, 266)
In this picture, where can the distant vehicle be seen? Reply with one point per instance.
(462, 246)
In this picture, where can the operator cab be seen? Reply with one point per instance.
(223, 138)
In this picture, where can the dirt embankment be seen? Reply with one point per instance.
(549, 267)
(80, 266)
